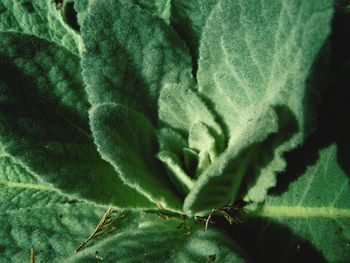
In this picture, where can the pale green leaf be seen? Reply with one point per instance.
(130, 55)
(172, 152)
(181, 108)
(175, 171)
(221, 182)
(316, 207)
(142, 237)
(164, 9)
(41, 18)
(35, 215)
(44, 121)
(81, 7)
(189, 19)
(170, 140)
(161, 8)
(127, 140)
(255, 55)
(201, 140)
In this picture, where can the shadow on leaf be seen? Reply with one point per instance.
(268, 241)
(332, 114)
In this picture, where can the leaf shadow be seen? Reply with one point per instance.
(48, 137)
(332, 113)
(269, 241)
(263, 153)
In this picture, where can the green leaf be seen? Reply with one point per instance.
(81, 7)
(130, 55)
(201, 140)
(40, 18)
(142, 237)
(316, 207)
(161, 8)
(175, 171)
(221, 182)
(127, 140)
(189, 19)
(171, 141)
(35, 215)
(172, 152)
(44, 121)
(181, 108)
(256, 55)
(264, 51)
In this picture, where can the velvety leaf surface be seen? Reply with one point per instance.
(161, 8)
(221, 181)
(130, 55)
(127, 140)
(255, 55)
(181, 108)
(35, 215)
(316, 207)
(189, 19)
(81, 7)
(142, 237)
(41, 18)
(43, 121)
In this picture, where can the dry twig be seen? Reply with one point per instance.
(32, 256)
(106, 222)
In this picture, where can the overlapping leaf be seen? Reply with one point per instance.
(255, 56)
(35, 215)
(127, 140)
(41, 18)
(189, 19)
(43, 121)
(316, 207)
(130, 55)
(145, 237)
(244, 92)
(128, 64)
(163, 137)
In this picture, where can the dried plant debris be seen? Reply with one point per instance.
(145, 117)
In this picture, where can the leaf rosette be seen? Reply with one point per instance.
(205, 141)
(184, 105)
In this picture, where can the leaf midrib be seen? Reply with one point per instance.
(34, 186)
(298, 211)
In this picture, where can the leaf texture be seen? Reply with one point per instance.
(145, 237)
(130, 55)
(41, 18)
(44, 122)
(316, 207)
(35, 215)
(255, 55)
(189, 19)
(127, 140)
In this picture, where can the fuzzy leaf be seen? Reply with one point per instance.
(41, 18)
(44, 121)
(189, 19)
(142, 237)
(161, 8)
(316, 207)
(130, 55)
(222, 179)
(35, 215)
(255, 55)
(127, 140)
(181, 108)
